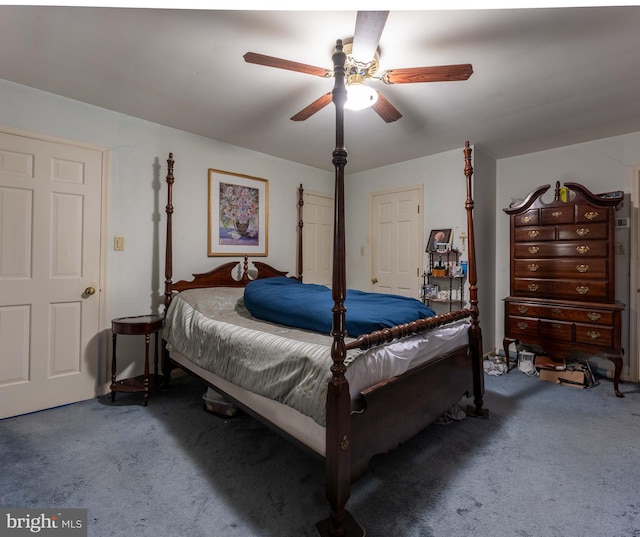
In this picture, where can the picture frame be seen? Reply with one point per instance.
(438, 236)
(429, 291)
(238, 222)
(457, 271)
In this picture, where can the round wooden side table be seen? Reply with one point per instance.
(141, 325)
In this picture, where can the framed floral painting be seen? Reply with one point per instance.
(238, 214)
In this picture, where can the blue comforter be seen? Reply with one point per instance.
(289, 302)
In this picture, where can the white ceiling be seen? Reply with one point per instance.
(542, 78)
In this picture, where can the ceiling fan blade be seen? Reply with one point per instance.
(270, 61)
(369, 26)
(314, 107)
(442, 73)
(386, 110)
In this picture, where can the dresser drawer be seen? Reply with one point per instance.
(577, 290)
(591, 269)
(555, 330)
(601, 336)
(528, 218)
(521, 327)
(584, 231)
(561, 313)
(557, 215)
(560, 249)
(589, 213)
(529, 233)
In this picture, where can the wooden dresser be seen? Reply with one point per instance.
(562, 295)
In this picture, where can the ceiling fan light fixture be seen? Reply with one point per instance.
(359, 96)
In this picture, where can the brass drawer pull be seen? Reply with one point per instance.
(582, 268)
(525, 219)
(583, 231)
(533, 233)
(533, 267)
(523, 326)
(582, 249)
(591, 215)
(533, 249)
(583, 290)
(533, 286)
(522, 309)
(557, 326)
(557, 311)
(593, 334)
(556, 214)
(594, 316)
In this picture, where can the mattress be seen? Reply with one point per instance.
(212, 329)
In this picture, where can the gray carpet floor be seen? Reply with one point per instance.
(551, 461)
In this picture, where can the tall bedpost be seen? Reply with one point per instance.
(300, 226)
(475, 336)
(338, 420)
(168, 264)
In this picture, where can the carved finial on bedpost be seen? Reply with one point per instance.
(475, 336)
(168, 264)
(300, 226)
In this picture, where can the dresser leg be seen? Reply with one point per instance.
(506, 343)
(617, 371)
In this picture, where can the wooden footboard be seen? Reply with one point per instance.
(397, 409)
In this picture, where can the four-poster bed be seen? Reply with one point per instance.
(355, 419)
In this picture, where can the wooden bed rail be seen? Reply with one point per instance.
(387, 335)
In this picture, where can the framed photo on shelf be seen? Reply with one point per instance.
(238, 214)
(439, 240)
(429, 291)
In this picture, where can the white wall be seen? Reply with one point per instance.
(602, 165)
(444, 191)
(137, 193)
(444, 207)
(484, 188)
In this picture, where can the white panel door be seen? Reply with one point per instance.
(317, 238)
(396, 241)
(50, 218)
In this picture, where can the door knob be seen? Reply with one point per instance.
(89, 291)
(374, 280)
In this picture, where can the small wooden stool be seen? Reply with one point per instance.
(136, 326)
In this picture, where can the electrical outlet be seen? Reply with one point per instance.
(118, 244)
(619, 248)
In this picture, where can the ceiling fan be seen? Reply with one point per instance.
(362, 65)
